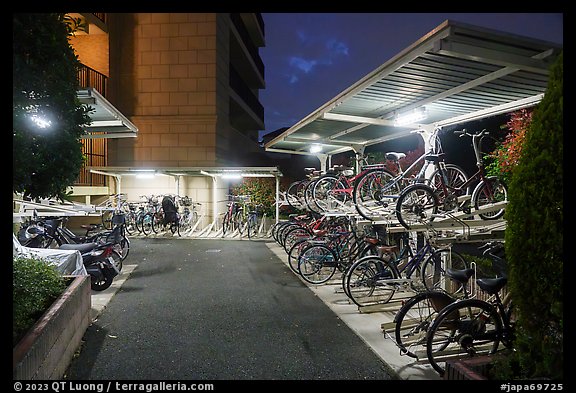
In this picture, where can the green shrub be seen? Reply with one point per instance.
(36, 285)
(534, 238)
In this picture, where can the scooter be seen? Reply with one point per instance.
(101, 261)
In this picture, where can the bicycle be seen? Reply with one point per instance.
(255, 221)
(375, 280)
(472, 327)
(334, 189)
(421, 203)
(189, 216)
(376, 192)
(413, 319)
(234, 217)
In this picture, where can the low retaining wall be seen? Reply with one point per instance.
(45, 352)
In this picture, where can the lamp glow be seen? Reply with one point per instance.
(315, 148)
(232, 176)
(411, 117)
(40, 122)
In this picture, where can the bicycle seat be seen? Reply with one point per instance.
(83, 247)
(462, 276)
(492, 285)
(393, 156)
(309, 170)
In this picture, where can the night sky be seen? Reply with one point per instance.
(312, 57)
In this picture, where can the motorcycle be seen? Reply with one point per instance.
(101, 261)
(102, 257)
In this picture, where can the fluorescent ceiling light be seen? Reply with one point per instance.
(315, 148)
(411, 117)
(145, 176)
(232, 176)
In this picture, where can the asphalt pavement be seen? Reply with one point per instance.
(197, 309)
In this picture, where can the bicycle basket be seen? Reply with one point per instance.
(118, 219)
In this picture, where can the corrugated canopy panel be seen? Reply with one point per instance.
(456, 73)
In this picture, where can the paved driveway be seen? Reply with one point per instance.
(198, 309)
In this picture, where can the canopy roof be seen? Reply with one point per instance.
(455, 73)
(106, 120)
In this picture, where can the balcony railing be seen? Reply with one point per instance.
(95, 150)
(88, 77)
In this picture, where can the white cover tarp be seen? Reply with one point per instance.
(67, 262)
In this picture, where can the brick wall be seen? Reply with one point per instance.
(166, 84)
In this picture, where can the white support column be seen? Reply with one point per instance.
(277, 197)
(428, 133)
(322, 159)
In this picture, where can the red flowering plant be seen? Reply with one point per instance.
(502, 161)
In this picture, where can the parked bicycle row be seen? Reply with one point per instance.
(156, 213)
(440, 317)
(387, 191)
(244, 217)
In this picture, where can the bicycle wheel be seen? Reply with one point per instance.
(433, 270)
(466, 328)
(239, 221)
(295, 234)
(374, 194)
(295, 194)
(106, 218)
(130, 223)
(158, 221)
(226, 223)
(455, 178)
(175, 226)
(414, 319)
(252, 226)
(309, 197)
(324, 196)
(147, 223)
(295, 252)
(489, 191)
(317, 263)
(417, 204)
(366, 283)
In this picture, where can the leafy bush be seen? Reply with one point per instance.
(36, 285)
(534, 237)
(262, 191)
(503, 160)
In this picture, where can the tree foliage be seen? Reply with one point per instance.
(534, 237)
(45, 160)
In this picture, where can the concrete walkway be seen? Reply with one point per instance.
(186, 309)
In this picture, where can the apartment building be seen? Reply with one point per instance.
(186, 86)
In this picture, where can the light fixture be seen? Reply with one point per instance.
(315, 148)
(411, 117)
(231, 175)
(145, 175)
(40, 122)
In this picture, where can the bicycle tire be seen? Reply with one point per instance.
(413, 321)
(490, 190)
(433, 273)
(323, 194)
(366, 281)
(417, 204)
(368, 194)
(226, 223)
(317, 263)
(295, 252)
(252, 226)
(106, 218)
(147, 223)
(469, 327)
(295, 234)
